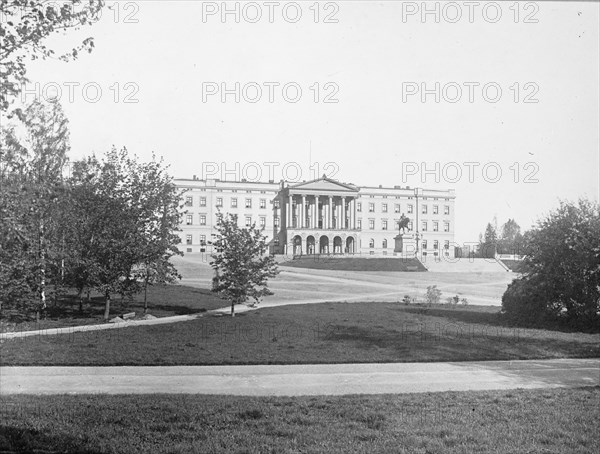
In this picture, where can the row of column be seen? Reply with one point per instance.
(336, 208)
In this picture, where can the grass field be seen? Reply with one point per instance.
(521, 421)
(309, 334)
(163, 301)
(319, 262)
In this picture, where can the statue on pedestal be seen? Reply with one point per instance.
(402, 228)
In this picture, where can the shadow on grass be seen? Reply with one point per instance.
(498, 319)
(16, 439)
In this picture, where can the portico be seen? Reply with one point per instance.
(319, 217)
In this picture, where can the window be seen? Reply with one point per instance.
(188, 219)
(424, 226)
(383, 225)
(384, 244)
(410, 209)
(249, 192)
(189, 201)
(276, 203)
(359, 207)
(447, 244)
(202, 219)
(384, 207)
(410, 226)
(435, 244)
(424, 209)
(396, 224)
(397, 208)
(248, 203)
(219, 201)
(276, 242)
(202, 201)
(276, 221)
(359, 223)
(435, 209)
(188, 239)
(263, 203)
(446, 209)
(424, 244)
(202, 240)
(234, 202)
(371, 243)
(372, 224)
(263, 222)
(435, 226)
(371, 207)
(446, 226)
(248, 221)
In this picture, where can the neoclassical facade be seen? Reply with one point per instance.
(322, 216)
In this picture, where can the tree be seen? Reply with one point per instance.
(561, 268)
(241, 263)
(32, 162)
(128, 212)
(487, 248)
(26, 25)
(511, 240)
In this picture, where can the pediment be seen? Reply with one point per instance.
(323, 185)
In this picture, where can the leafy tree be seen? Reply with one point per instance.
(511, 239)
(26, 25)
(433, 294)
(241, 263)
(562, 267)
(487, 247)
(32, 161)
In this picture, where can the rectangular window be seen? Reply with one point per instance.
(424, 244)
(234, 202)
(359, 207)
(424, 209)
(219, 201)
(410, 209)
(202, 219)
(263, 203)
(189, 219)
(248, 221)
(435, 244)
(446, 226)
(359, 224)
(410, 226)
(188, 239)
(383, 225)
(446, 209)
(202, 240)
(424, 226)
(263, 222)
(202, 201)
(372, 224)
(396, 225)
(189, 201)
(447, 244)
(435, 226)
(276, 221)
(384, 207)
(435, 209)
(397, 208)
(248, 203)
(276, 203)
(371, 207)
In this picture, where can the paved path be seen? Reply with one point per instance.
(298, 380)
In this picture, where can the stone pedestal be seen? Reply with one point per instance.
(406, 245)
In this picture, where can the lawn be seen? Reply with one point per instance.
(310, 334)
(163, 301)
(520, 421)
(330, 262)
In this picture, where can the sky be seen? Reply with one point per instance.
(498, 101)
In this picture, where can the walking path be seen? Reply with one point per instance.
(296, 380)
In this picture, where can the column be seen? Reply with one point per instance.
(354, 213)
(303, 213)
(330, 213)
(288, 212)
(343, 213)
(316, 216)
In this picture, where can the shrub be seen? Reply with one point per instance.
(433, 295)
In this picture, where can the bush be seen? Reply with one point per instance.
(433, 295)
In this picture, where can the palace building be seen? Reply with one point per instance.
(322, 216)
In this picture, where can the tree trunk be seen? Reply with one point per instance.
(107, 306)
(232, 308)
(146, 297)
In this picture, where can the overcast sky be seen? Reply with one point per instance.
(374, 59)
